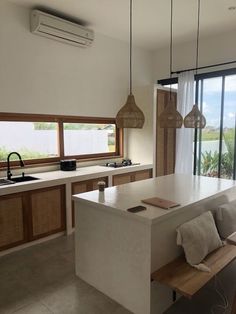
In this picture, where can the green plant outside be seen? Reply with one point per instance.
(25, 154)
(210, 160)
(28, 154)
(213, 135)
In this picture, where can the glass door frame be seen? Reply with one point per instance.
(199, 100)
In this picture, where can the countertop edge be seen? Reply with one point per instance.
(45, 180)
(150, 221)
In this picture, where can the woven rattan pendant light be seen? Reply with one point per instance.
(170, 117)
(195, 119)
(130, 116)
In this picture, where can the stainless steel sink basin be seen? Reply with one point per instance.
(5, 182)
(17, 180)
(23, 179)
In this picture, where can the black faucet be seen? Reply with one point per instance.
(9, 174)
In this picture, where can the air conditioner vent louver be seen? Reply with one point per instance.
(56, 28)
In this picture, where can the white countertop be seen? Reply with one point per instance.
(61, 177)
(183, 189)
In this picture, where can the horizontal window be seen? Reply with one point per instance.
(43, 138)
(89, 138)
(30, 139)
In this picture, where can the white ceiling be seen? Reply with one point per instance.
(151, 18)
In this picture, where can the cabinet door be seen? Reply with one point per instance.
(165, 138)
(78, 187)
(85, 186)
(143, 175)
(122, 178)
(12, 221)
(132, 176)
(94, 182)
(47, 211)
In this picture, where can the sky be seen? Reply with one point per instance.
(212, 101)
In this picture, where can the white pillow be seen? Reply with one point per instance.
(198, 237)
(226, 219)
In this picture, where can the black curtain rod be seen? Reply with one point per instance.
(205, 67)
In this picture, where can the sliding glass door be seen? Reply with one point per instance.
(214, 146)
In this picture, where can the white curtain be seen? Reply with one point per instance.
(184, 137)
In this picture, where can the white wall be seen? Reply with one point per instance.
(140, 141)
(39, 75)
(215, 49)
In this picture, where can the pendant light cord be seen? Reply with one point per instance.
(130, 47)
(171, 40)
(198, 32)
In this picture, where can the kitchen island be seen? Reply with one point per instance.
(116, 251)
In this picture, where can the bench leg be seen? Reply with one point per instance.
(174, 296)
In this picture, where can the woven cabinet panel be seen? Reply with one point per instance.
(95, 182)
(46, 211)
(143, 175)
(122, 179)
(79, 187)
(11, 221)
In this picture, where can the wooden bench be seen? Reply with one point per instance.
(232, 239)
(187, 280)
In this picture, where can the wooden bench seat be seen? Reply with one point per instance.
(232, 239)
(187, 280)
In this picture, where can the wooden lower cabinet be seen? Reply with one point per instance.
(13, 229)
(31, 215)
(48, 214)
(85, 186)
(142, 175)
(132, 176)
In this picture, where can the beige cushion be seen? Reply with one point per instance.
(226, 219)
(198, 237)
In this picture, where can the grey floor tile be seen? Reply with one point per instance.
(13, 295)
(121, 310)
(66, 244)
(41, 280)
(76, 297)
(35, 308)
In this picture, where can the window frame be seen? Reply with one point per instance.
(60, 119)
(197, 134)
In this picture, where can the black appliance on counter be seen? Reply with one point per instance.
(124, 163)
(68, 164)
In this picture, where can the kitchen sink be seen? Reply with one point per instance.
(23, 179)
(6, 182)
(17, 180)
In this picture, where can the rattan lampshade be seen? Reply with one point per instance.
(170, 117)
(130, 116)
(195, 119)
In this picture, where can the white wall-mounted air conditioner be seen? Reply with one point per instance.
(56, 28)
